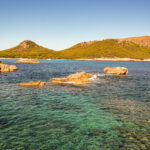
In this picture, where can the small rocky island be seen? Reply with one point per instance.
(28, 61)
(78, 78)
(116, 70)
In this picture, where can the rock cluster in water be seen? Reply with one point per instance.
(33, 83)
(7, 68)
(28, 61)
(78, 78)
(116, 70)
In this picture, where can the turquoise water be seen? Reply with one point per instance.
(111, 113)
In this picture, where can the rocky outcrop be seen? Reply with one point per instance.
(28, 44)
(87, 43)
(7, 68)
(33, 83)
(78, 78)
(116, 70)
(28, 61)
(142, 40)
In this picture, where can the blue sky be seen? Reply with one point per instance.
(59, 24)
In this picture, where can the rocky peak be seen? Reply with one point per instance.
(28, 44)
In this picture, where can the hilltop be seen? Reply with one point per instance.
(136, 47)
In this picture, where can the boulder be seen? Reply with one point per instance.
(7, 68)
(116, 70)
(28, 61)
(33, 83)
(78, 78)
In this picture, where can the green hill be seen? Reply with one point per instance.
(110, 48)
(107, 48)
(28, 49)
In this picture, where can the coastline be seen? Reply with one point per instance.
(94, 59)
(116, 59)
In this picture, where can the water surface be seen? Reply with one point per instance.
(111, 113)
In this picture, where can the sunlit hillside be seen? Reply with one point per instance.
(110, 48)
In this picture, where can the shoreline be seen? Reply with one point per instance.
(116, 59)
(93, 59)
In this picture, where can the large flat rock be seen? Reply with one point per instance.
(28, 61)
(78, 78)
(33, 83)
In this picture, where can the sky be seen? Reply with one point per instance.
(59, 24)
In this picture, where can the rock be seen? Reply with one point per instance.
(78, 78)
(144, 140)
(28, 44)
(7, 68)
(33, 83)
(0, 62)
(116, 70)
(28, 61)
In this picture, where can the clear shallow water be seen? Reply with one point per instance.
(111, 113)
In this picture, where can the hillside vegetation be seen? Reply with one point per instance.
(110, 48)
(107, 48)
(142, 40)
(27, 49)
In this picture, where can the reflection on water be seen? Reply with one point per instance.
(111, 113)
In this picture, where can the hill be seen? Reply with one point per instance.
(28, 49)
(137, 47)
(109, 48)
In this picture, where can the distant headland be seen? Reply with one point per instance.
(126, 49)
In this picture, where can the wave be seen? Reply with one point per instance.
(97, 75)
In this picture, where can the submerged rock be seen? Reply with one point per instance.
(33, 83)
(7, 68)
(134, 132)
(78, 78)
(134, 139)
(28, 61)
(116, 70)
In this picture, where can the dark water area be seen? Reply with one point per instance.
(110, 113)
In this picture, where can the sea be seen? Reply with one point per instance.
(109, 113)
